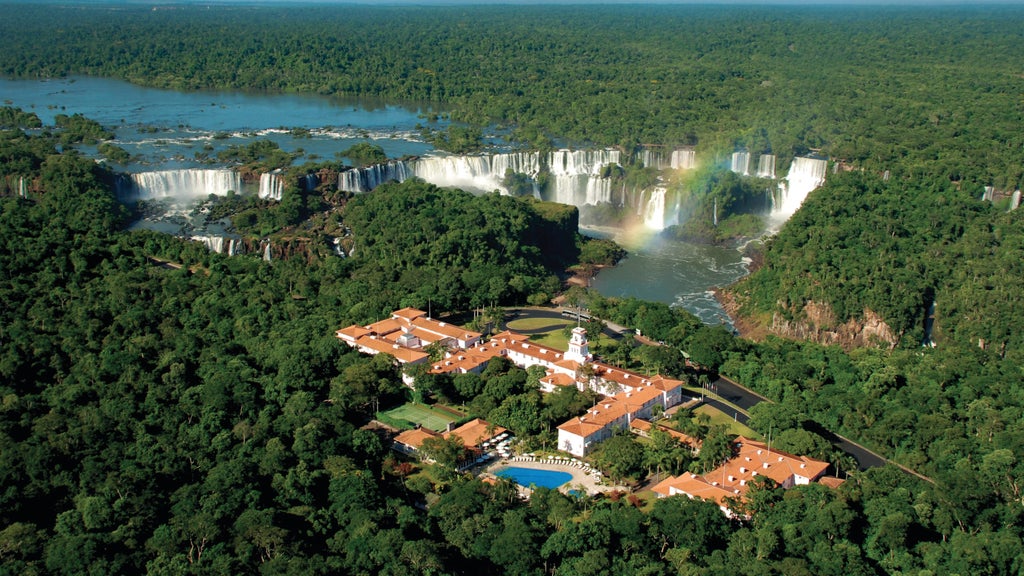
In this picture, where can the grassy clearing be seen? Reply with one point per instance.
(719, 417)
(421, 414)
(555, 339)
(530, 324)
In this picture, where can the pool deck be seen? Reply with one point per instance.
(580, 479)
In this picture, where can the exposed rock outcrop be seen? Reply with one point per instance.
(815, 321)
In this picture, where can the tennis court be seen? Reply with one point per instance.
(421, 414)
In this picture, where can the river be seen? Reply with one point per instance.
(670, 271)
(166, 129)
(169, 130)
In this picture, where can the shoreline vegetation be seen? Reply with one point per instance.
(204, 419)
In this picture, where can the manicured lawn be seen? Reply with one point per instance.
(555, 339)
(421, 414)
(558, 340)
(531, 324)
(719, 417)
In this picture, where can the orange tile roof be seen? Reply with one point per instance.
(402, 354)
(387, 326)
(463, 360)
(732, 478)
(474, 432)
(755, 458)
(831, 481)
(445, 330)
(612, 409)
(663, 383)
(409, 313)
(351, 333)
(521, 344)
(664, 487)
(696, 487)
(415, 438)
(559, 379)
(581, 427)
(510, 336)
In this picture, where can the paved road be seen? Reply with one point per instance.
(739, 416)
(745, 399)
(733, 393)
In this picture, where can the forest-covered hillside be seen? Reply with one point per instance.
(939, 265)
(166, 410)
(203, 419)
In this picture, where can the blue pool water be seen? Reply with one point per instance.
(529, 477)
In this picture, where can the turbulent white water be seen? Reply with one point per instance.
(766, 166)
(681, 159)
(220, 244)
(483, 173)
(576, 176)
(741, 163)
(656, 213)
(684, 159)
(805, 174)
(652, 158)
(271, 185)
(180, 184)
(368, 178)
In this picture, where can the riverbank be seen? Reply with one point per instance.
(744, 326)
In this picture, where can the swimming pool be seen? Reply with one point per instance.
(529, 477)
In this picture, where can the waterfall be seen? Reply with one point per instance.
(576, 176)
(213, 243)
(741, 163)
(805, 174)
(989, 193)
(1015, 200)
(338, 250)
(271, 185)
(652, 158)
(369, 177)
(714, 216)
(220, 244)
(655, 211)
(266, 252)
(766, 166)
(21, 188)
(483, 173)
(182, 184)
(684, 159)
(309, 182)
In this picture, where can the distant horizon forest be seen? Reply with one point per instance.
(166, 410)
(883, 88)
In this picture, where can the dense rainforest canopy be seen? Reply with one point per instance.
(885, 88)
(170, 411)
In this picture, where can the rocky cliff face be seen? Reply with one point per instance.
(816, 322)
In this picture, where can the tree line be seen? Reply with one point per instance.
(887, 89)
(204, 419)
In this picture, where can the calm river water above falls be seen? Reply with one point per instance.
(165, 129)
